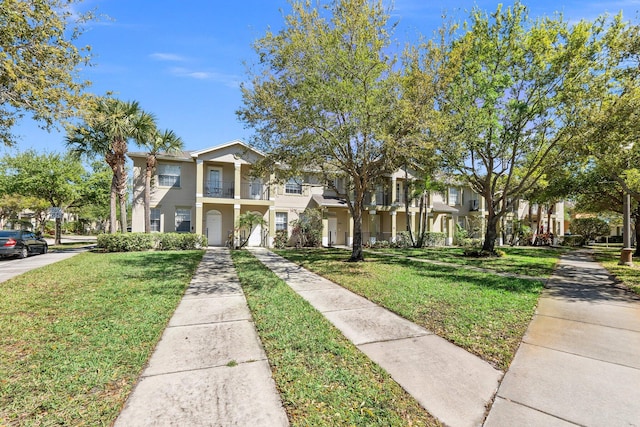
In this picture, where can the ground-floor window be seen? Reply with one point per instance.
(155, 219)
(183, 220)
(281, 221)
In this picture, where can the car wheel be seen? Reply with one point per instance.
(24, 252)
(45, 249)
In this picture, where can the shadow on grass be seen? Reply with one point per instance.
(328, 261)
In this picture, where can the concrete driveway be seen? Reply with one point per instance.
(11, 267)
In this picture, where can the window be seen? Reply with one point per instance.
(454, 196)
(281, 221)
(168, 176)
(183, 220)
(155, 219)
(293, 186)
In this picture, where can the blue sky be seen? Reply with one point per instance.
(183, 61)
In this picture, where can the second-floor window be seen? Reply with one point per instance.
(454, 196)
(293, 186)
(168, 175)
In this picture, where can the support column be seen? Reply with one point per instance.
(236, 216)
(237, 179)
(325, 229)
(199, 196)
(272, 225)
(349, 241)
(394, 193)
(393, 224)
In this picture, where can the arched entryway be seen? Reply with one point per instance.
(214, 228)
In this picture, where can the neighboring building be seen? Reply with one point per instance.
(206, 191)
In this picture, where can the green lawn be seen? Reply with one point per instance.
(75, 335)
(322, 378)
(609, 258)
(529, 261)
(484, 313)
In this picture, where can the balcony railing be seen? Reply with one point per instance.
(254, 191)
(381, 199)
(219, 189)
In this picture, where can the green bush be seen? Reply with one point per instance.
(403, 240)
(573, 240)
(132, 242)
(590, 228)
(281, 239)
(432, 238)
(180, 241)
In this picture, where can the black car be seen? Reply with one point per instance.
(21, 243)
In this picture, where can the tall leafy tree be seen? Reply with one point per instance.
(515, 108)
(106, 131)
(322, 96)
(50, 176)
(39, 62)
(166, 142)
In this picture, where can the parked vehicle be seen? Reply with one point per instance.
(21, 243)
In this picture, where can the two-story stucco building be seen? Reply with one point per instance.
(206, 191)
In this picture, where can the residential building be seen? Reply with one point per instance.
(206, 191)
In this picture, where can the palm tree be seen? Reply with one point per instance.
(158, 142)
(106, 131)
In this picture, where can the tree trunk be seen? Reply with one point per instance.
(123, 211)
(147, 200)
(113, 223)
(356, 248)
(491, 233)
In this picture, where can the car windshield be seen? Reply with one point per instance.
(9, 233)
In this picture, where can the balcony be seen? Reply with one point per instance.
(254, 191)
(219, 189)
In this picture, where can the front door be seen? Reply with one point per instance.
(214, 228)
(333, 230)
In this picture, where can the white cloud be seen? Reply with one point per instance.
(167, 57)
(230, 80)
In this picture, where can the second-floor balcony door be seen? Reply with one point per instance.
(215, 182)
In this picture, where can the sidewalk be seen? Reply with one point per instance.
(579, 362)
(451, 384)
(209, 368)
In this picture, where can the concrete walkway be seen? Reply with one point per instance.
(209, 368)
(579, 362)
(451, 384)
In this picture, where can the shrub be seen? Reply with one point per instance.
(379, 244)
(403, 240)
(307, 229)
(590, 228)
(128, 242)
(280, 240)
(179, 241)
(131, 242)
(479, 253)
(573, 240)
(432, 238)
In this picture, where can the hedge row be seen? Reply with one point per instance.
(131, 242)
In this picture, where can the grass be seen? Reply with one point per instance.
(529, 261)
(322, 378)
(70, 245)
(75, 335)
(483, 313)
(609, 258)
